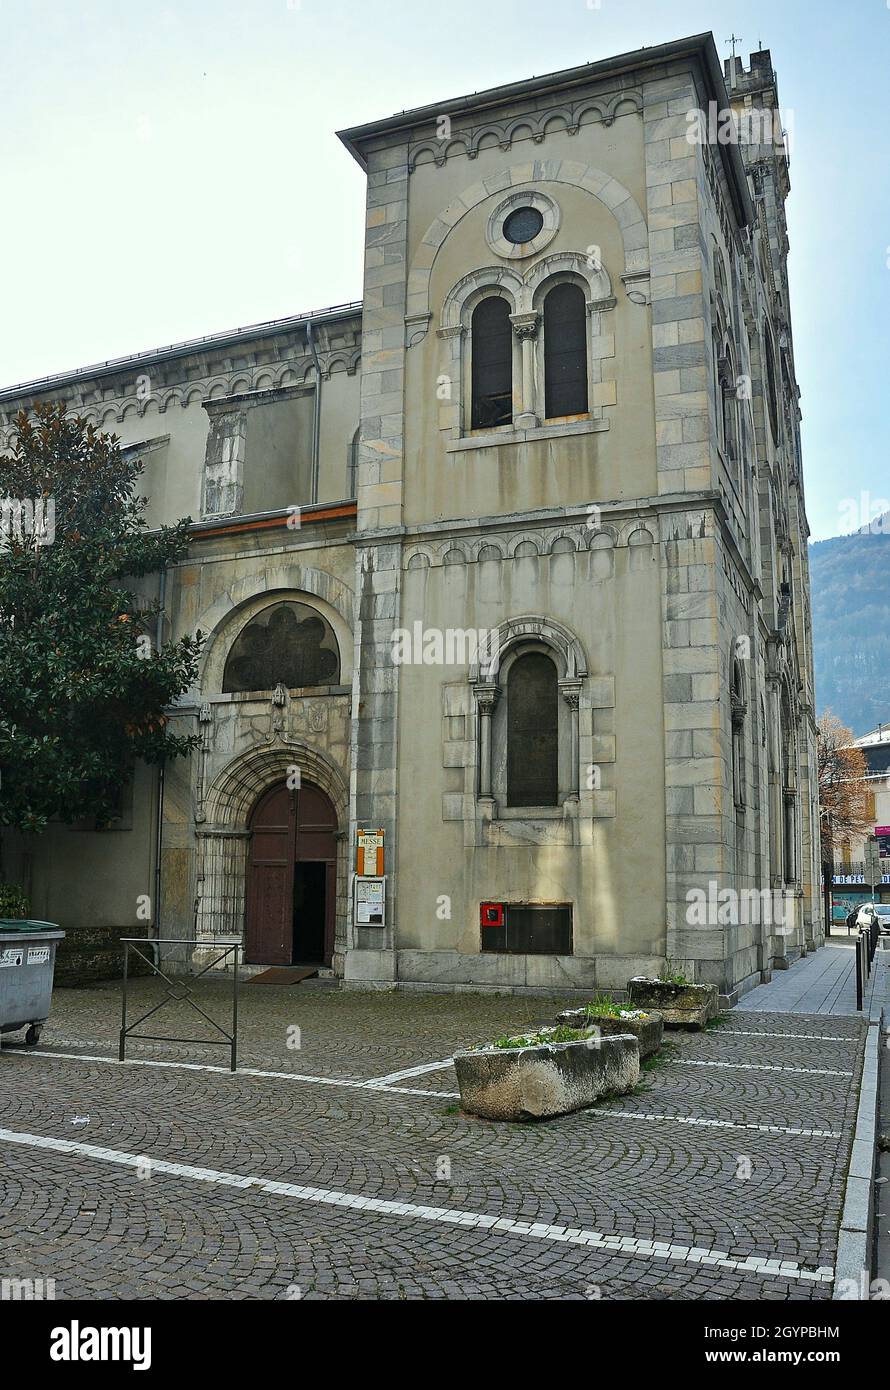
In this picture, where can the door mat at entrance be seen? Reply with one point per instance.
(284, 975)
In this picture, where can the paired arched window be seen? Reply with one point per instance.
(289, 644)
(532, 731)
(565, 351)
(492, 358)
(726, 381)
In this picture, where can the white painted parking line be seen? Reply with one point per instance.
(719, 1124)
(380, 1081)
(354, 1085)
(804, 1037)
(755, 1066)
(766, 1266)
(377, 1085)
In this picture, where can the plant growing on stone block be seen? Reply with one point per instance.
(681, 1004)
(647, 1026)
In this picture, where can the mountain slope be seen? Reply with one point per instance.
(850, 579)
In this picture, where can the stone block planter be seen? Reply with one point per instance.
(545, 1079)
(681, 1006)
(647, 1028)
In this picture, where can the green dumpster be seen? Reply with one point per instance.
(27, 963)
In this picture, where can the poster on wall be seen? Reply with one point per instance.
(843, 901)
(369, 853)
(370, 902)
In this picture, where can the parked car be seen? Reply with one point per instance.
(883, 914)
(866, 916)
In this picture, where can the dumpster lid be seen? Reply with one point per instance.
(8, 924)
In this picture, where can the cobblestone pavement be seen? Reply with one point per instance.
(149, 1181)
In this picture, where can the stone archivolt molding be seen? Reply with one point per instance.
(524, 290)
(534, 126)
(232, 611)
(463, 297)
(600, 185)
(563, 646)
(235, 791)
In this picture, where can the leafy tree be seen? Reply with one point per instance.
(843, 790)
(83, 686)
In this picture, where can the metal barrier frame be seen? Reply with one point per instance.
(177, 991)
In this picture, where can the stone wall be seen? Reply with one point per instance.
(90, 954)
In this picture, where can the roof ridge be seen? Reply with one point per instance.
(208, 340)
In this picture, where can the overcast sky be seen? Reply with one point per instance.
(171, 170)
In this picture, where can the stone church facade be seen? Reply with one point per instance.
(563, 417)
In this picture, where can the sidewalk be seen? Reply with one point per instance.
(824, 983)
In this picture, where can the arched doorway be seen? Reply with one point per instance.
(291, 878)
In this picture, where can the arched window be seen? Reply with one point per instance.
(718, 388)
(492, 357)
(720, 282)
(532, 732)
(565, 351)
(738, 710)
(772, 398)
(729, 401)
(289, 644)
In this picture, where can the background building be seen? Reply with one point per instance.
(564, 415)
(862, 869)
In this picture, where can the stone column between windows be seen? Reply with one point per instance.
(571, 693)
(486, 699)
(525, 326)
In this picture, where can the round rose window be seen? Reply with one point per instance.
(523, 225)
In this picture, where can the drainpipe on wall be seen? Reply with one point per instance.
(156, 950)
(159, 638)
(316, 430)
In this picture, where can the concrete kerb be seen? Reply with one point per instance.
(856, 1235)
